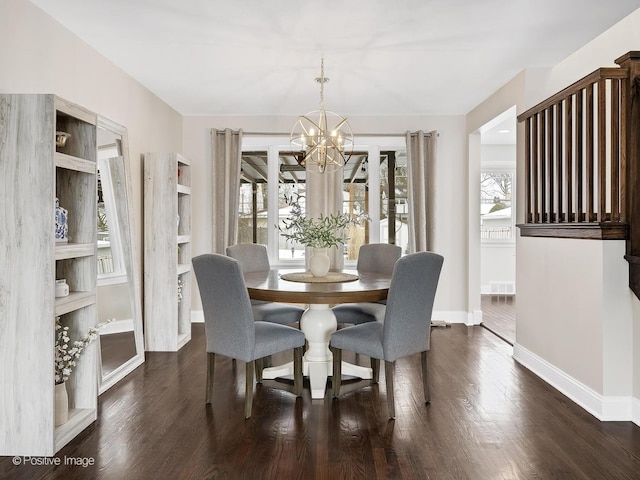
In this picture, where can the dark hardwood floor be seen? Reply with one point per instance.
(489, 419)
(499, 316)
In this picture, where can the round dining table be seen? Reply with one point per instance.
(318, 322)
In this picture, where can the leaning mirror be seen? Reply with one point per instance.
(119, 301)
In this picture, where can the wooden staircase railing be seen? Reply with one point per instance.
(575, 160)
(582, 161)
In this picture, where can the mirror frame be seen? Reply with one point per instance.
(124, 212)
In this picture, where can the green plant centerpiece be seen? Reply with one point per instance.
(318, 233)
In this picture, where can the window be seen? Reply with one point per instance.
(270, 171)
(394, 211)
(496, 213)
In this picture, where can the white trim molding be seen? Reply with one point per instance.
(635, 411)
(197, 316)
(624, 409)
(451, 316)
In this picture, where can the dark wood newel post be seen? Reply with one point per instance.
(631, 191)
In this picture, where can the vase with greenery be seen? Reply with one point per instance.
(318, 233)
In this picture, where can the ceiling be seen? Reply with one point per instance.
(256, 57)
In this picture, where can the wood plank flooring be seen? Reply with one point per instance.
(499, 316)
(489, 419)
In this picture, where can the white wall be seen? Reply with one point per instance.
(38, 55)
(560, 305)
(450, 199)
(497, 258)
(498, 264)
(600, 52)
(577, 323)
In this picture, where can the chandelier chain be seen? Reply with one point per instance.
(322, 80)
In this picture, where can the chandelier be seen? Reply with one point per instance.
(325, 138)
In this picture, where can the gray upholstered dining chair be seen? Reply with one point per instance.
(375, 258)
(230, 328)
(406, 328)
(253, 257)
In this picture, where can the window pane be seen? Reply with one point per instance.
(251, 216)
(289, 250)
(252, 212)
(254, 226)
(394, 214)
(355, 204)
(495, 205)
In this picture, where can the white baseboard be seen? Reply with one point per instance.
(450, 316)
(635, 411)
(625, 409)
(474, 318)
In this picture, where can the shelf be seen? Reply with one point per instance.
(70, 109)
(66, 251)
(74, 301)
(69, 162)
(167, 195)
(40, 172)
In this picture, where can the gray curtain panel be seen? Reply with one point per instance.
(324, 196)
(226, 156)
(421, 154)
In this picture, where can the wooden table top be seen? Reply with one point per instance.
(268, 286)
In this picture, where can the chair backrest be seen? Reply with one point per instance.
(228, 317)
(252, 257)
(378, 257)
(407, 321)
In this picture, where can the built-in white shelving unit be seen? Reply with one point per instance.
(167, 252)
(33, 173)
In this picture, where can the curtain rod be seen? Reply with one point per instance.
(355, 134)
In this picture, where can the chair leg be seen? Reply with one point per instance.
(211, 358)
(337, 371)
(375, 366)
(266, 362)
(389, 367)
(259, 366)
(248, 390)
(425, 376)
(297, 371)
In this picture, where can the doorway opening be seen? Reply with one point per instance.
(497, 225)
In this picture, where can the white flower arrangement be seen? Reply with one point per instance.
(67, 352)
(180, 285)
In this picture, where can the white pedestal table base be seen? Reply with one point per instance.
(318, 323)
